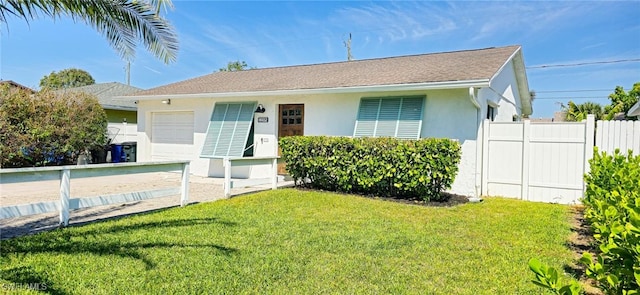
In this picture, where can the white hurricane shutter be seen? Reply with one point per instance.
(367, 117)
(390, 117)
(228, 130)
(410, 119)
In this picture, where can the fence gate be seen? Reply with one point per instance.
(542, 162)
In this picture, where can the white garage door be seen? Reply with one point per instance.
(172, 136)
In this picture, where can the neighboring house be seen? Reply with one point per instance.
(446, 95)
(13, 84)
(121, 114)
(635, 110)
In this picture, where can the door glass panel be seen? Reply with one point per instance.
(291, 121)
(297, 112)
(284, 121)
(284, 113)
(299, 121)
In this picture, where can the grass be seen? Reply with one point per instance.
(301, 242)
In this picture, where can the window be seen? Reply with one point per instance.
(229, 130)
(399, 117)
(491, 113)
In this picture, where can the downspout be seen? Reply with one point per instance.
(474, 99)
(478, 166)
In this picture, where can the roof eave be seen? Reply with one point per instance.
(119, 108)
(634, 110)
(332, 90)
(521, 80)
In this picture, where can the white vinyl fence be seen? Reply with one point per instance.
(65, 173)
(623, 135)
(546, 162)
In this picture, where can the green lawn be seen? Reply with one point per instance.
(298, 242)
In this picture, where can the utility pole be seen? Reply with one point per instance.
(128, 73)
(348, 45)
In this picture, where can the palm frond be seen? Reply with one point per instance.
(123, 22)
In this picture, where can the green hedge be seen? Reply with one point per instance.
(612, 203)
(373, 166)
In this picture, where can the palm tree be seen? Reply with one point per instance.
(579, 112)
(123, 22)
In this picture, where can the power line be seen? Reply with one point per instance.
(571, 97)
(585, 90)
(585, 63)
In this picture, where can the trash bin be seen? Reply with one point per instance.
(99, 155)
(129, 149)
(117, 155)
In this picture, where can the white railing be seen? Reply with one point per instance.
(228, 162)
(65, 173)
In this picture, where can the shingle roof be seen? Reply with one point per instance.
(105, 92)
(17, 85)
(468, 65)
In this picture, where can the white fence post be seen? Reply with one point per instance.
(226, 163)
(486, 126)
(274, 174)
(589, 143)
(65, 176)
(184, 189)
(526, 142)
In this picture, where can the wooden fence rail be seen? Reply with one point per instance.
(65, 173)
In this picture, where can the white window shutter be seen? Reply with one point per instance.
(228, 129)
(399, 117)
(410, 120)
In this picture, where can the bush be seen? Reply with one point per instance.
(612, 203)
(374, 166)
(45, 128)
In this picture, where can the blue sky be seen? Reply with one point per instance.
(268, 34)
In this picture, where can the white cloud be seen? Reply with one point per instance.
(396, 22)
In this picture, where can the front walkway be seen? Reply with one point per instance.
(201, 189)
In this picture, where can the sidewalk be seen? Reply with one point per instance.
(201, 189)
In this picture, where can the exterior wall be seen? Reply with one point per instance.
(119, 130)
(447, 114)
(450, 114)
(118, 116)
(504, 92)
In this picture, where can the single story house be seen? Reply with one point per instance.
(236, 114)
(122, 115)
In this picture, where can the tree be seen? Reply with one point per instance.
(622, 101)
(578, 112)
(234, 66)
(47, 128)
(66, 79)
(124, 22)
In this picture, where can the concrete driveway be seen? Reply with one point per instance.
(201, 189)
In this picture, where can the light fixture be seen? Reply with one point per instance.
(167, 101)
(260, 109)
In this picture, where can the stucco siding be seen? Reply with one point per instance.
(450, 114)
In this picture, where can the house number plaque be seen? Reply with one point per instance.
(263, 119)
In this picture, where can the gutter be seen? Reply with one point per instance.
(333, 90)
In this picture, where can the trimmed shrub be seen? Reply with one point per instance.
(386, 167)
(45, 129)
(612, 203)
